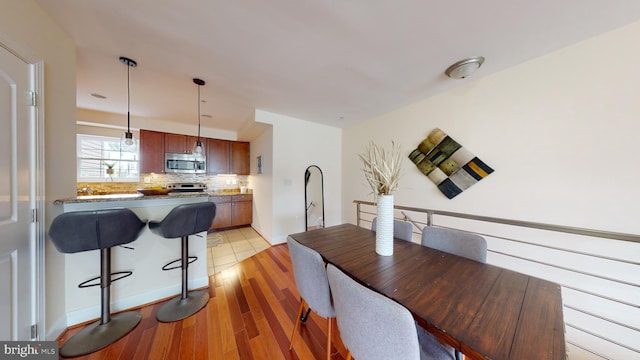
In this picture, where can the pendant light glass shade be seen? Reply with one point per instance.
(198, 148)
(128, 142)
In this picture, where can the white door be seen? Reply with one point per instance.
(17, 199)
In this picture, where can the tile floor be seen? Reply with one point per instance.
(226, 248)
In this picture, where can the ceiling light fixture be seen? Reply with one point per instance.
(198, 149)
(128, 142)
(464, 68)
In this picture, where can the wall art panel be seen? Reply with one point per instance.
(448, 164)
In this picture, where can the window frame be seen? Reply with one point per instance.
(103, 159)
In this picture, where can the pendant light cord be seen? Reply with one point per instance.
(198, 113)
(129, 63)
(128, 100)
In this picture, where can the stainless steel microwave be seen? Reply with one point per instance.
(183, 164)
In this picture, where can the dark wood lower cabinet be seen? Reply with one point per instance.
(223, 212)
(241, 210)
(232, 211)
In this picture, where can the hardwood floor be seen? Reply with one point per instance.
(250, 315)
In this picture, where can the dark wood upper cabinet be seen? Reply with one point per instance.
(223, 156)
(151, 151)
(239, 158)
(217, 156)
(178, 143)
(175, 143)
(191, 140)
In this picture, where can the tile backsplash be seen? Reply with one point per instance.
(214, 183)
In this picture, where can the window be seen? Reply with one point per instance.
(100, 159)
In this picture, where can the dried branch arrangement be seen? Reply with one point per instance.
(382, 168)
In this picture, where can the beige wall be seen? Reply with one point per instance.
(28, 30)
(561, 132)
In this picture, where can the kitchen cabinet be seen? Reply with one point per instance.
(223, 212)
(232, 211)
(239, 158)
(223, 156)
(151, 151)
(241, 210)
(177, 143)
(217, 156)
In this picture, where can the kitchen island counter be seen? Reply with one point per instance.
(127, 197)
(145, 257)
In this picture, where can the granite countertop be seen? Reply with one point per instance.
(137, 196)
(227, 193)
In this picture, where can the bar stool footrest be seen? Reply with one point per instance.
(122, 275)
(96, 336)
(178, 308)
(167, 268)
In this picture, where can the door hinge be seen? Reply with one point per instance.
(34, 331)
(32, 98)
(34, 215)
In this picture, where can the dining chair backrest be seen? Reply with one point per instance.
(371, 325)
(457, 242)
(311, 278)
(401, 229)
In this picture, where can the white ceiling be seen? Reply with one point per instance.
(327, 61)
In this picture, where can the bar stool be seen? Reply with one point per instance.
(79, 231)
(182, 221)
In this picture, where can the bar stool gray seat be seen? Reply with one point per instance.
(182, 221)
(79, 231)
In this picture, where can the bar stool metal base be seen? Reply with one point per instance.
(179, 308)
(96, 336)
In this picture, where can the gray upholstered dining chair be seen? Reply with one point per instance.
(311, 280)
(461, 243)
(401, 229)
(373, 326)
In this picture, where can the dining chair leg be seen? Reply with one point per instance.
(458, 355)
(295, 327)
(329, 320)
(348, 355)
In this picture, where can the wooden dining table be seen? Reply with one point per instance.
(484, 311)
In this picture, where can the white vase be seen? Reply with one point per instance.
(384, 225)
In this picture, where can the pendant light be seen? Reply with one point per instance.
(198, 149)
(128, 143)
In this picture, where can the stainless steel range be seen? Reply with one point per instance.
(187, 187)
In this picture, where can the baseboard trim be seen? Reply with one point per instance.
(58, 328)
(131, 302)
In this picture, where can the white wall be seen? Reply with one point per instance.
(296, 145)
(561, 133)
(24, 24)
(138, 122)
(262, 184)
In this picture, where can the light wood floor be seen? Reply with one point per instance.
(250, 315)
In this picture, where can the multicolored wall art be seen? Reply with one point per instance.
(447, 164)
